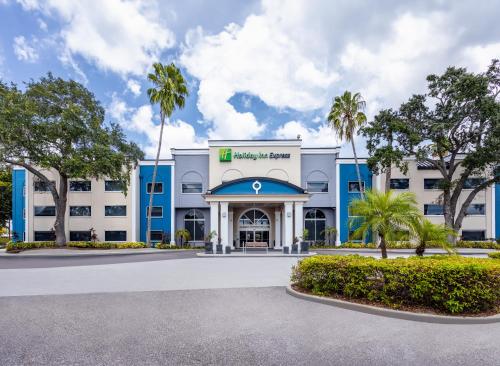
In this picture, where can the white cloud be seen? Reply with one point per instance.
(125, 37)
(42, 24)
(134, 87)
(323, 136)
(479, 57)
(23, 51)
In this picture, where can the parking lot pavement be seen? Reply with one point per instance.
(247, 326)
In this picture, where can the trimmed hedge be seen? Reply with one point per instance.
(494, 255)
(449, 284)
(410, 245)
(169, 246)
(20, 245)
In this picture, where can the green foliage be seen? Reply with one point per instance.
(19, 246)
(425, 231)
(494, 255)
(357, 246)
(477, 244)
(346, 115)
(183, 235)
(5, 196)
(16, 246)
(454, 285)
(174, 247)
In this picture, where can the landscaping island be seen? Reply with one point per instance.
(449, 285)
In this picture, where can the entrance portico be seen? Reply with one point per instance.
(258, 209)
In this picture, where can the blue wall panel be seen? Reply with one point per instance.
(348, 174)
(163, 199)
(497, 211)
(18, 204)
(261, 186)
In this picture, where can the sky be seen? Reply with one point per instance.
(255, 69)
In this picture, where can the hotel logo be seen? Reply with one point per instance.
(225, 154)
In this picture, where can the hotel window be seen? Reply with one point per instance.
(317, 187)
(192, 188)
(475, 209)
(471, 183)
(433, 209)
(117, 235)
(400, 183)
(45, 235)
(354, 186)
(45, 210)
(119, 210)
(473, 235)
(156, 235)
(158, 188)
(80, 210)
(315, 223)
(80, 186)
(157, 211)
(194, 222)
(41, 186)
(433, 183)
(79, 235)
(113, 186)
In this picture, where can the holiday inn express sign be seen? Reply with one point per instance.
(226, 155)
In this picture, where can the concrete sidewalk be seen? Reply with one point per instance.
(65, 252)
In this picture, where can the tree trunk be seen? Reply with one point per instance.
(60, 203)
(449, 220)
(153, 181)
(383, 247)
(357, 169)
(420, 248)
(388, 175)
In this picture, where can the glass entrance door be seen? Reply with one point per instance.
(254, 226)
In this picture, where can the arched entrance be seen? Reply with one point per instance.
(253, 226)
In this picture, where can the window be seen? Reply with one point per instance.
(315, 223)
(156, 235)
(80, 211)
(471, 183)
(317, 187)
(473, 235)
(117, 235)
(113, 186)
(45, 210)
(432, 209)
(192, 188)
(434, 183)
(45, 235)
(115, 210)
(156, 212)
(80, 186)
(158, 188)
(41, 186)
(475, 209)
(400, 183)
(194, 222)
(354, 186)
(79, 235)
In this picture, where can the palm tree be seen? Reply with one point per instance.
(183, 235)
(169, 91)
(384, 213)
(425, 231)
(346, 117)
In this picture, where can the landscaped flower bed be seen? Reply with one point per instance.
(410, 245)
(494, 255)
(449, 284)
(20, 246)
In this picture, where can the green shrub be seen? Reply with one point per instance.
(357, 245)
(105, 245)
(16, 246)
(451, 284)
(494, 255)
(173, 246)
(401, 245)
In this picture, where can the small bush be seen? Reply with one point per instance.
(357, 245)
(494, 255)
(173, 246)
(450, 284)
(16, 246)
(105, 245)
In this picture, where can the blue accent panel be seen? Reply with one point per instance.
(18, 203)
(497, 211)
(266, 186)
(164, 199)
(348, 174)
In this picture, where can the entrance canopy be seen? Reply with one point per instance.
(256, 186)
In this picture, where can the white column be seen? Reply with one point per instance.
(493, 212)
(231, 229)
(172, 205)
(214, 222)
(277, 229)
(337, 203)
(299, 222)
(288, 225)
(224, 224)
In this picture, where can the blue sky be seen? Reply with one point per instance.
(256, 69)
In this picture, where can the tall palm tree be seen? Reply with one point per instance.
(346, 117)
(425, 231)
(170, 92)
(384, 213)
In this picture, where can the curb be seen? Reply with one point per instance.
(397, 314)
(73, 255)
(239, 255)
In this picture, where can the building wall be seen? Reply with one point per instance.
(180, 213)
(319, 167)
(191, 169)
(18, 203)
(163, 199)
(497, 211)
